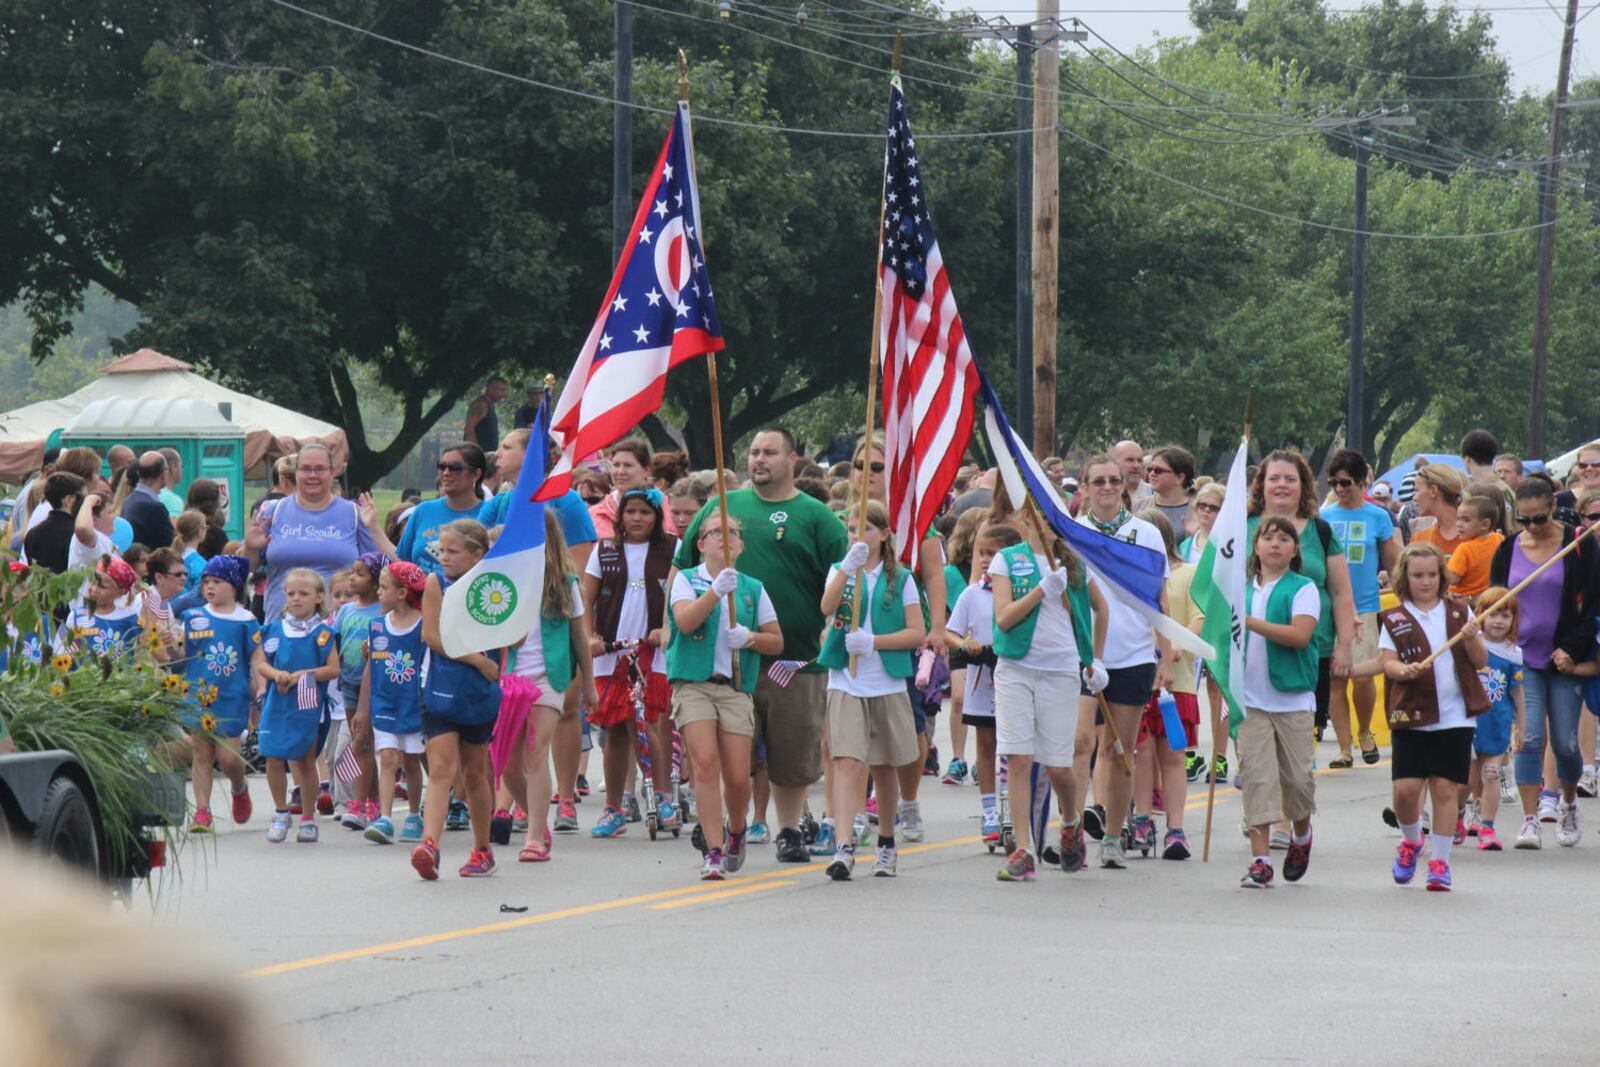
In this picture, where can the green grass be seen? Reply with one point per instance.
(385, 499)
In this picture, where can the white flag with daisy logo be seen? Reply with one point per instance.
(496, 603)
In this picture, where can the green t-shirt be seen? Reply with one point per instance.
(1314, 565)
(789, 545)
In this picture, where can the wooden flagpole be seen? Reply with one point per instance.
(1216, 713)
(872, 386)
(716, 403)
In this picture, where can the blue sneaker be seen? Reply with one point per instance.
(759, 834)
(613, 823)
(457, 818)
(957, 772)
(667, 814)
(380, 830)
(825, 843)
(1405, 861)
(411, 829)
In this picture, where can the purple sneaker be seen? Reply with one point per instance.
(1438, 876)
(1405, 861)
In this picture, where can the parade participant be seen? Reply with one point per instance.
(624, 583)
(1587, 468)
(716, 718)
(1468, 567)
(1508, 467)
(296, 647)
(684, 499)
(960, 549)
(870, 725)
(1555, 631)
(1370, 546)
(1138, 661)
(970, 634)
(1203, 515)
(1283, 486)
(1171, 478)
(110, 621)
(461, 472)
(630, 469)
(1280, 679)
(555, 659)
(790, 540)
(311, 528)
(460, 700)
(352, 623)
(1439, 492)
(1491, 741)
(220, 640)
(389, 704)
(1042, 638)
(1431, 708)
(576, 526)
(1159, 758)
(1130, 461)
(188, 530)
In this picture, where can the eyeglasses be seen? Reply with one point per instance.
(173, 574)
(453, 468)
(1103, 483)
(1159, 470)
(1209, 509)
(314, 470)
(718, 535)
(1341, 483)
(877, 468)
(1588, 465)
(1534, 520)
(1592, 517)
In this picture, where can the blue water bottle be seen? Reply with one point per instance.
(1177, 736)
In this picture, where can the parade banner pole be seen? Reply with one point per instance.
(872, 387)
(1217, 744)
(716, 401)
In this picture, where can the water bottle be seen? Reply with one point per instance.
(1177, 735)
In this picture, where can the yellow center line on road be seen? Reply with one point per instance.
(740, 886)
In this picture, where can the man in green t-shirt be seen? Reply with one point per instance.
(790, 541)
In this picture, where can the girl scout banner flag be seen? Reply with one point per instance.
(496, 603)
(1219, 587)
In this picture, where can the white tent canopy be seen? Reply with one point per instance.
(270, 431)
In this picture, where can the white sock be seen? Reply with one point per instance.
(1297, 839)
(1264, 859)
(1412, 831)
(1439, 846)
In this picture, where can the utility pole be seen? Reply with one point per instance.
(1548, 178)
(1046, 224)
(1024, 361)
(622, 129)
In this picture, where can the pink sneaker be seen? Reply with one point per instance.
(1488, 841)
(872, 806)
(242, 808)
(373, 814)
(201, 823)
(479, 865)
(425, 859)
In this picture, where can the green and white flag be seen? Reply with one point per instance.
(1220, 584)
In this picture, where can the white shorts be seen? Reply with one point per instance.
(410, 744)
(1036, 712)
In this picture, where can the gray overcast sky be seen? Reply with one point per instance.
(1530, 36)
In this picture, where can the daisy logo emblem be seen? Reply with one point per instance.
(490, 598)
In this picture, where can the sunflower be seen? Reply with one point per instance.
(172, 682)
(208, 723)
(57, 689)
(146, 710)
(62, 663)
(212, 692)
(183, 687)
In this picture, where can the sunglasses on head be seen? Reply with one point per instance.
(877, 466)
(1534, 520)
(1341, 483)
(455, 467)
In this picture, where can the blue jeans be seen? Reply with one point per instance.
(1557, 698)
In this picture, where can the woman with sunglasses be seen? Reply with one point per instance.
(1587, 468)
(1203, 516)
(461, 471)
(1555, 633)
(1171, 477)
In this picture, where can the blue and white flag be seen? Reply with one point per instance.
(1133, 574)
(496, 603)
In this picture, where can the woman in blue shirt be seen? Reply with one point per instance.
(461, 471)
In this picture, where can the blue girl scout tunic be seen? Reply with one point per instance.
(218, 651)
(289, 731)
(394, 686)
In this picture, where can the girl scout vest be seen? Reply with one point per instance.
(690, 656)
(1416, 703)
(1291, 670)
(614, 580)
(1023, 570)
(555, 637)
(887, 614)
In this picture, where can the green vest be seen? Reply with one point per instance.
(888, 616)
(1291, 670)
(555, 637)
(1023, 570)
(691, 656)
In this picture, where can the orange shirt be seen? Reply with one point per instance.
(1431, 536)
(1471, 561)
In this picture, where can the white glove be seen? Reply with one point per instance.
(726, 581)
(1054, 582)
(738, 637)
(1095, 678)
(858, 642)
(854, 559)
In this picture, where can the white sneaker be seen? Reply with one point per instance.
(1530, 836)
(844, 862)
(1508, 786)
(1570, 833)
(911, 820)
(1111, 855)
(1279, 841)
(884, 865)
(1548, 810)
(1589, 783)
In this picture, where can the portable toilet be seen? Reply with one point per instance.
(209, 445)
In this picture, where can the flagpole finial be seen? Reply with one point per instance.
(549, 381)
(683, 77)
(894, 63)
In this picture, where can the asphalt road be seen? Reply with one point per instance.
(623, 954)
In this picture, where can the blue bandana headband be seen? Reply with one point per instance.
(652, 496)
(374, 562)
(234, 570)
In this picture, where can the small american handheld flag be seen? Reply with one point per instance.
(308, 694)
(348, 769)
(929, 374)
(783, 671)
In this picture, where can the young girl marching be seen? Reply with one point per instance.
(553, 657)
(110, 622)
(1431, 709)
(870, 723)
(1042, 640)
(220, 640)
(389, 704)
(958, 573)
(351, 623)
(1502, 682)
(460, 700)
(969, 634)
(189, 529)
(295, 661)
(625, 582)
(716, 719)
(1276, 738)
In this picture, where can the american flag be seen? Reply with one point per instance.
(929, 375)
(348, 768)
(783, 671)
(657, 314)
(157, 607)
(308, 694)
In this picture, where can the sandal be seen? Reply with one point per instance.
(534, 854)
(1371, 755)
(1343, 762)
